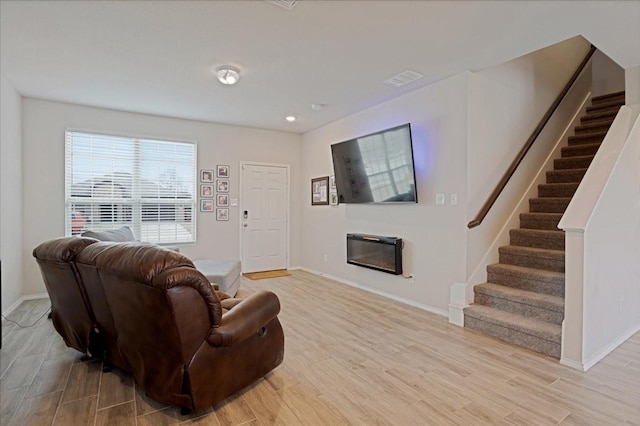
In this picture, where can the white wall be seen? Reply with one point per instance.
(612, 257)
(10, 193)
(608, 77)
(434, 235)
(43, 171)
(632, 86)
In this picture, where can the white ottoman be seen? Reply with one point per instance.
(225, 273)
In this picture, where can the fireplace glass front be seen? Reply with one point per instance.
(375, 252)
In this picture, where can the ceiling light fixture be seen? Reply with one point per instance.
(290, 118)
(228, 75)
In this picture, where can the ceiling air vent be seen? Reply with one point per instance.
(287, 4)
(403, 78)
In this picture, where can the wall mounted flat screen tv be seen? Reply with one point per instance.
(376, 168)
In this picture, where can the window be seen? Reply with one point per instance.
(114, 181)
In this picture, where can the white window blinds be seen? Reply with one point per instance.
(114, 181)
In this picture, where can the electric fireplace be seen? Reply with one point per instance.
(375, 252)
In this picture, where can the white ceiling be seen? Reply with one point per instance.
(156, 57)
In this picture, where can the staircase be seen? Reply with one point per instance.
(523, 301)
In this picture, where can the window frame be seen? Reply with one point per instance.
(136, 203)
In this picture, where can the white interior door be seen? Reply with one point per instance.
(264, 217)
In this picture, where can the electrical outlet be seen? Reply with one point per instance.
(439, 198)
(326, 258)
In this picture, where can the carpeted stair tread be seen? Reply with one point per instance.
(565, 175)
(602, 115)
(537, 238)
(613, 105)
(548, 204)
(557, 189)
(608, 97)
(530, 304)
(577, 162)
(517, 274)
(580, 150)
(594, 126)
(531, 298)
(532, 257)
(540, 220)
(533, 327)
(587, 137)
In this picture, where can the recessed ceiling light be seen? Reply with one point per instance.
(290, 118)
(228, 75)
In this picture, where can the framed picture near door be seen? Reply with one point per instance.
(320, 191)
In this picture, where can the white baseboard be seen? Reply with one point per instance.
(573, 364)
(379, 293)
(22, 299)
(594, 359)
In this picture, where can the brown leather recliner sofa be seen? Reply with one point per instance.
(71, 312)
(161, 320)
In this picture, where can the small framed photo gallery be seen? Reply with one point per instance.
(214, 191)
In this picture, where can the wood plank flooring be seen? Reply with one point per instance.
(351, 358)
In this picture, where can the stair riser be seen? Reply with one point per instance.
(611, 97)
(557, 191)
(595, 126)
(579, 150)
(524, 239)
(519, 308)
(514, 337)
(587, 138)
(572, 163)
(544, 263)
(533, 222)
(603, 108)
(612, 101)
(565, 176)
(525, 283)
(598, 117)
(547, 205)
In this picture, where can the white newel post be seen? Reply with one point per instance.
(458, 299)
(573, 324)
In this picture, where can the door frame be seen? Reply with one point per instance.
(287, 168)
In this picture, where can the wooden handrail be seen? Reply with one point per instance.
(536, 132)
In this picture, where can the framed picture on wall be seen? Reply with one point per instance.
(333, 197)
(222, 200)
(222, 185)
(320, 191)
(222, 214)
(206, 206)
(206, 191)
(222, 171)
(206, 176)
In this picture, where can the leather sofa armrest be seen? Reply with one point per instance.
(245, 319)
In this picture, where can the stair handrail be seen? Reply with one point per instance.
(523, 151)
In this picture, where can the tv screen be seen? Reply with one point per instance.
(376, 168)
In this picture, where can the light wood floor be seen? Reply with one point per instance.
(350, 358)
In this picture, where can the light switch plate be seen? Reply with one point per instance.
(439, 198)
(234, 201)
